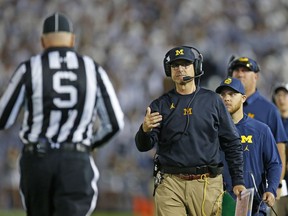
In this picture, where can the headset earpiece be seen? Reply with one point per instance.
(166, 65)
(198, 62)
(198, 65)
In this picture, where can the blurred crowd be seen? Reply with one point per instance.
(130, 38)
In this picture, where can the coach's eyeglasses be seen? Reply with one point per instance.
(184, 64)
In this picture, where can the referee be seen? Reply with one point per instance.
(70, 109)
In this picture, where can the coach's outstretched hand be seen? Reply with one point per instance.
(151, 120)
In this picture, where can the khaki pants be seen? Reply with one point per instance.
(202, 197)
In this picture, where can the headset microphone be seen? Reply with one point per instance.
(188, 78)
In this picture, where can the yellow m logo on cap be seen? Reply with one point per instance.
(228, 81)
(179, 52)
(243, 59)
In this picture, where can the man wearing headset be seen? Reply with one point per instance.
(188, 125)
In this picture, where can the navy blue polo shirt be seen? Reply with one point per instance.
(261, 157)
(259, 108)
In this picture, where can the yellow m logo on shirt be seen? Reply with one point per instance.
(187, 111)
(179, 52)
(246, 139)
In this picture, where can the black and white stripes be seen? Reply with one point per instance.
(63, 95)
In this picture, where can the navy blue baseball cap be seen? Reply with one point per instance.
(244, 62)
(57, 23)
(182, 52)
(232, 83)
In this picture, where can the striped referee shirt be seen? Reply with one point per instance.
(64, 95)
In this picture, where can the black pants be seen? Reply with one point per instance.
(59, 183)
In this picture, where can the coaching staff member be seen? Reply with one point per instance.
(257, 106)
(63, 94)
(188, 125)
(262, 163)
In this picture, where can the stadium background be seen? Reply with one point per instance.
(130, 38)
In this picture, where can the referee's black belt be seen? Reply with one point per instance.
(211, 169)
(42, 148)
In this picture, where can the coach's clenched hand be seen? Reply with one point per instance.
(238, 189)
(269, 198)
(151, 120)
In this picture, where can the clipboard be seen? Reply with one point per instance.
(244, 204)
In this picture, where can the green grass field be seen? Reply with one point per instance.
(22, 213)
